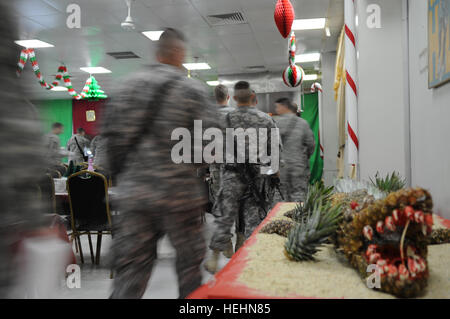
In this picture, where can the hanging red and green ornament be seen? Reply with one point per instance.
(92, 90)
(293, 75)
(284, 17)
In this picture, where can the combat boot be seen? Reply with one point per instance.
(228, 253)
(212, 263)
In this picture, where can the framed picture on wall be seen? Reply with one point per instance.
(438, 42)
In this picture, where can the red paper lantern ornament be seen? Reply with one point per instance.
(284, 17)
(293, 75)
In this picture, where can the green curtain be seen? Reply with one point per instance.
(311, 115)
(52, 111)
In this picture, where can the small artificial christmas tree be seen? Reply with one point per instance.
(92, 90)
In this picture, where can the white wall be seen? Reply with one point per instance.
(329, 126)
(430, 117)
(381, 103)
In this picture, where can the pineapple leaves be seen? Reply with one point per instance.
(306, 237)
(390, 183)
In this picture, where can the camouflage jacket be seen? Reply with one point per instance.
(298, 140)
(247, 117)
(52, 147)
(98, 149)
(148, 176)
(75, 153)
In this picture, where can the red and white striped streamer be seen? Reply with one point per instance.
(351, 87)
(62, 74)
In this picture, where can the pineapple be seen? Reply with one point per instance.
(279, 227)
(439, 236)
(390, 183)
(317, 193)
(358, 236)
(305, 238)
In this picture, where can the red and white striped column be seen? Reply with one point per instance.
(351, 87)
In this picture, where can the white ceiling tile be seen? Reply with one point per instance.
(180, 16)
(160, 3)
(29, 8)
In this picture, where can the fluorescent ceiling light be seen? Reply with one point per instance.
(59, 88)
(95, 70)
(310, 77)
(307, 57)
(213, 83)
(327, 32)
(197, 66)
(308, 24)
(153, 35)
(34, 43)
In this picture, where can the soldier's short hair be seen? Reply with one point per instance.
(80, 130)
(167, 39)
(221, 93)
(56, 125)
(286, 102)
(242, 92)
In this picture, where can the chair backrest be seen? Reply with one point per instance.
(61, 169)
(89, 203)
(54, 173)
(105, 173)
(47, 192)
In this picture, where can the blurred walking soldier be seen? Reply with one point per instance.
(22, 163)
(157, 196)
(76, 146)
(241, 185)
(298, 146)
(53, 144)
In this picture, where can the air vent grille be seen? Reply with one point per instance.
(255, 67)
(123, 55)
(226, 19)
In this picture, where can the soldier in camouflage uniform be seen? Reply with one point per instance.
(98, 149)
(298, 146)
(156, 196)
(53, 144)
(76, 150)
(236, 196)
(22, 155)
(222, 99)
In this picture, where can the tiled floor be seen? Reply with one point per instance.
(95, 282)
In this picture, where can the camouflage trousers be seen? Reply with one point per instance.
(214, 170)
(234, 200)
(135, 249)
(294, 185)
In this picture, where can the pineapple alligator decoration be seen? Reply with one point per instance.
(392, 232)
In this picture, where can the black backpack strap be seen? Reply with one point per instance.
(79, 147)
(152, 113)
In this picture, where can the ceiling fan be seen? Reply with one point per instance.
(128, 24)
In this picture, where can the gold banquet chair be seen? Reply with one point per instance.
(89, 209)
